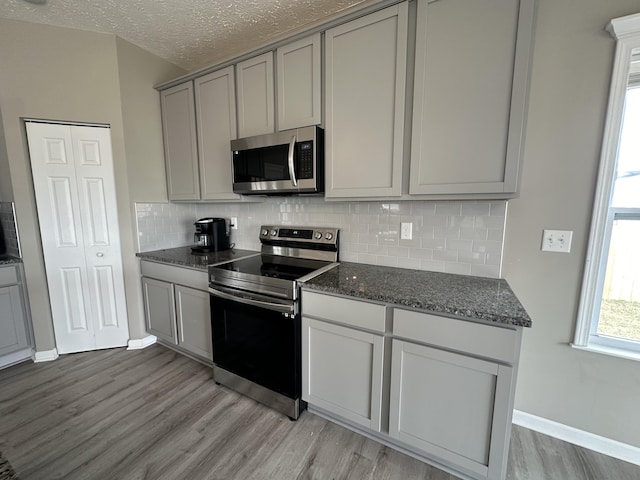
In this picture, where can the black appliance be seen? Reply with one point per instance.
(212, 235)
(255, 314)
(3, 246)
(287, 162)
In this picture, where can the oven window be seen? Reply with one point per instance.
(257, 344)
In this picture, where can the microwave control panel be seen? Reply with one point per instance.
(305, 160)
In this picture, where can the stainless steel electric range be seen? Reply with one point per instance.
(255, 314)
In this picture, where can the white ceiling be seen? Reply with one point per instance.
(189, 33)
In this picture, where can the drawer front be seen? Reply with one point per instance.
(182, 276)
(8, 275)
(499, 343)
(354, 313)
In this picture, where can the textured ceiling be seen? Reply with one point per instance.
(189, 33)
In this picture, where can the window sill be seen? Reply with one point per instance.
(611, 351)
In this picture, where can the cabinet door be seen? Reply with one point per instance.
(365, 72)
(255, 95)
(449, 405)
(194, 321)
(180, 147)
(342, 371)
(159, 309)
(469, 104)
(216, 120)
(299, 88)
(13, 332)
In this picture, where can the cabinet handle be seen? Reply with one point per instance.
(292, 171)
(99, 254)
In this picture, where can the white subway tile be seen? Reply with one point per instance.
(449, 208)
(432, 265)
(490, 271)
(460, 245)
(369, 230)
(458, 268)
(446, 255)
(475, 209)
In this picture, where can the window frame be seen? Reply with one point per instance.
(626, 31)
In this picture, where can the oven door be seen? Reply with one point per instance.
(257, 338)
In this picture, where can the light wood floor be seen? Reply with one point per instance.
(153, 414)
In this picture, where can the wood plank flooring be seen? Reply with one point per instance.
(154, 414)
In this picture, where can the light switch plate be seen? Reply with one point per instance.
(234, 223)
(557, 241)
(406, 231)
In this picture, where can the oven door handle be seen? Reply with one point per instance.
(292, 170)
(234, 297)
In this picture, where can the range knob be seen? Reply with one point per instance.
(274, 232)
(264, 232)
(328, 235)
(318, 235)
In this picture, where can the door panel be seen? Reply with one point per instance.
(73, 298)
(63, 212)
(98, 228)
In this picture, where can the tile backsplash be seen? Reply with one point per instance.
(463, 237)
(8, 226)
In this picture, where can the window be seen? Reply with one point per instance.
(609, 316)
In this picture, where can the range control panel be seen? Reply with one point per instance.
(317, 235)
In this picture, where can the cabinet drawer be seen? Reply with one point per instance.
(499, 343)
(8, 276)
(365, 315)
(182, 276)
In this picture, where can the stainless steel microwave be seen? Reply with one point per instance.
(287, 162)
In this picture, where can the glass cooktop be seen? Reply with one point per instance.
(276, 266)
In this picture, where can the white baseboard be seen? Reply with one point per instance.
(16, 357)
(45, 356)
(606, 446)
(139, 343)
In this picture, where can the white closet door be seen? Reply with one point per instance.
(75, 194)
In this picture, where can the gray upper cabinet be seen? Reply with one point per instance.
(215, 96)
(299, 83)
(199, 121)
(180, 145)
(469, 103)
(256, 106)
(365, 72)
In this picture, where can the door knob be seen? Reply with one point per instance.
(99, 254)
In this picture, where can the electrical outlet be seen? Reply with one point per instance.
(557, 241)
(406, 231)
(234, 223)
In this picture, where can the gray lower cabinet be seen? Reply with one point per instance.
(194, 322)
(14, 335)
(335, 357)
(436, 387)
(177, 308)
(160, 312)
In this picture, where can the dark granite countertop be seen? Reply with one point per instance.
(182, 256)
(6, 259)
(477, 298)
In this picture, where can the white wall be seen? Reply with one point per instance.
(569, 91)
(71, 75)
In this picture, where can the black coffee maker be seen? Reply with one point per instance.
(211, 235)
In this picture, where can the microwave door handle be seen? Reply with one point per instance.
(292, 170)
